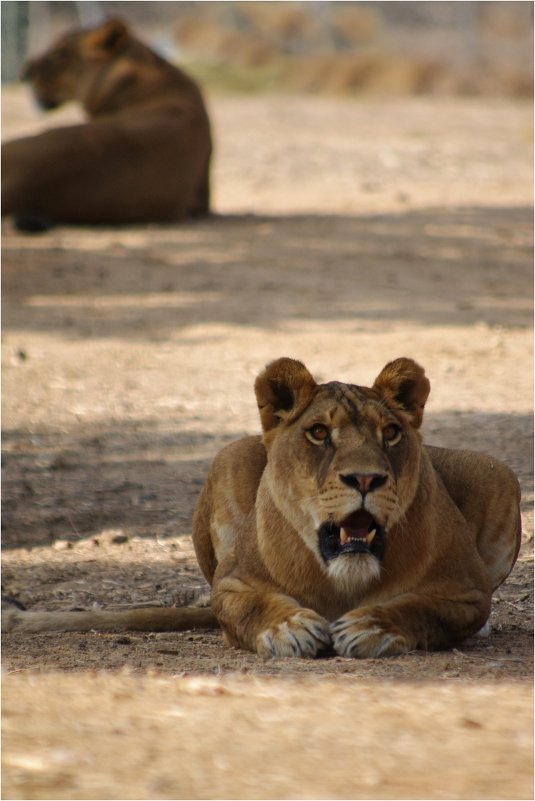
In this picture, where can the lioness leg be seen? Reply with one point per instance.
(412, 621)
(268, 622)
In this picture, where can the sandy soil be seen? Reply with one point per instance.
(348, 233)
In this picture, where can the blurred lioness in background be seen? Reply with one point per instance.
(144, 154)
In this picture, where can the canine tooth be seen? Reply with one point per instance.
(371, 535)
(344, 537)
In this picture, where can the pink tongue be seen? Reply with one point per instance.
(357, 524)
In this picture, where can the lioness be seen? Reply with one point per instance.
(337, 528)
(144, 154)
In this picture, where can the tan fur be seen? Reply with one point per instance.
(151, 619)
(449, 523)
(144, 154)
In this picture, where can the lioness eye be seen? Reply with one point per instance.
(391, 434)
(319, 432)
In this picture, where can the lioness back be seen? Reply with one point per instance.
(144, 154)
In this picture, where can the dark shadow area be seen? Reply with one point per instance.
(131, 476)
(142, 478)
(261, 271)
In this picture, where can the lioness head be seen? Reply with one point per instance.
(343, 460)
(69, 69)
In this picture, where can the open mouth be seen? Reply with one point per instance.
(359, 533)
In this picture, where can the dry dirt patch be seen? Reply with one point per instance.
(350, 233)
(247, 737)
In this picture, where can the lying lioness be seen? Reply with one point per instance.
(336, 528)
(144, 154)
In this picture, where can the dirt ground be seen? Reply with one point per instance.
(348, 233)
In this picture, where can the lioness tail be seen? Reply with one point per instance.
(151, 619)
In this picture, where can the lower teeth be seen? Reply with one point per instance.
(368, 539)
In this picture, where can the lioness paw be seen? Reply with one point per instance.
(303, 634)
(364, 634)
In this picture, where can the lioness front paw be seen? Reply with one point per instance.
(368, 633)
(303, 634)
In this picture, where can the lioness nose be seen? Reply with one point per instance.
(364, 482)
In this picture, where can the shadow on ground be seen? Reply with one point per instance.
(230, 270)
(99, 510)
(142, 479)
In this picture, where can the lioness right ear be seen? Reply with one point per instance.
(107, 38)
(283, 390)
(404, 385)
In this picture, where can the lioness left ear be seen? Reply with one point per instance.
(282, 391)
(107, 38)
(404, 384)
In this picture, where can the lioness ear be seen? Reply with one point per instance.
(282, 390)
(404, 384)
(107, 38)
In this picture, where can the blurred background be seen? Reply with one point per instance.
(401, 48)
